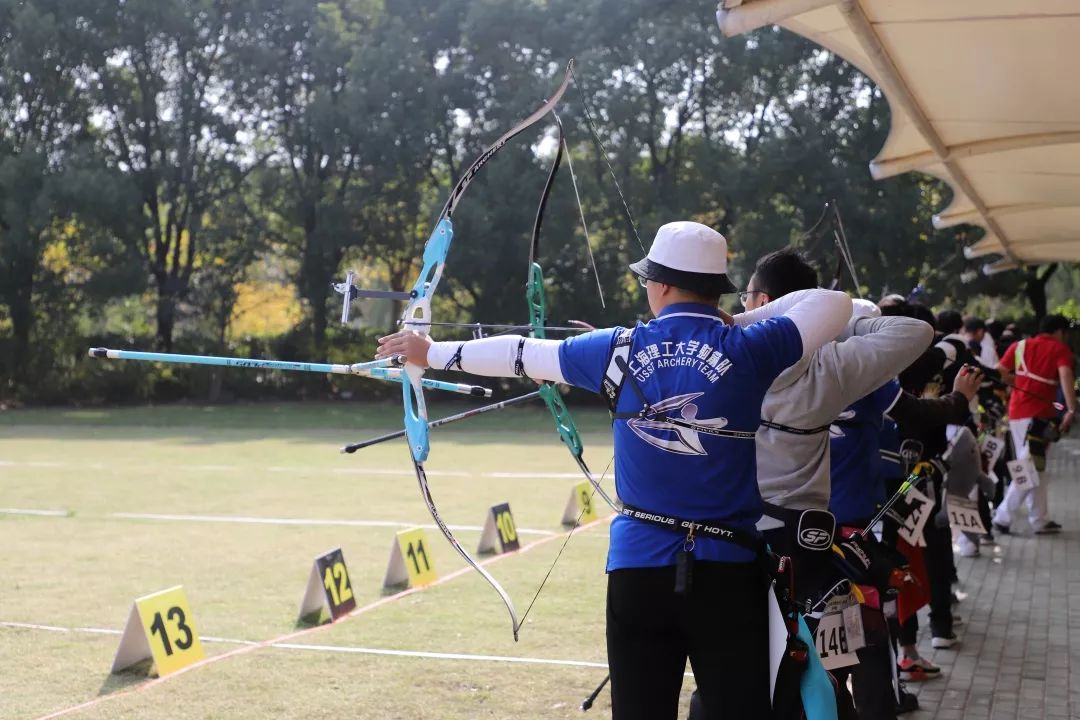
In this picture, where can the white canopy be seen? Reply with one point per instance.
(985, 94)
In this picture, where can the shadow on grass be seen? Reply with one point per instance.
(389, 590)
(127, 678)
(312, 620)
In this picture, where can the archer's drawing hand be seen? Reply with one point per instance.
(413, 346)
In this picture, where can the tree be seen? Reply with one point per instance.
(165, 110)
(42, 116)
(298, 71)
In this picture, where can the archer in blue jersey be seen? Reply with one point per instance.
(691, 365)
(687, 389)
(857, 484)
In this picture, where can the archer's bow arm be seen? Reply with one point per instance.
(499, 357)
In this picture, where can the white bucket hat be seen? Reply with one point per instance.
(690, 256)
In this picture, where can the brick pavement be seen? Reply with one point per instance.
(1020, 652)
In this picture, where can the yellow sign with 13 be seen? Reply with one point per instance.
(160, 627)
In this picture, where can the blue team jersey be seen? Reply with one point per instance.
(855, 456)
(692, 366)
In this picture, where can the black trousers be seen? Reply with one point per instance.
(721, 625)
(939, 567)
(871, 680)
(909, 631)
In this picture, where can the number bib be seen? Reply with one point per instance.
(1023, 473)
(839, 635)
(912, 529)
(964, 514)
(991, 447)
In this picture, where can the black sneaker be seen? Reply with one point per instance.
(1003, 529)
(908, 702)
(1049, 529)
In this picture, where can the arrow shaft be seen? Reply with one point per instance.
(443, 421)
(385, 370)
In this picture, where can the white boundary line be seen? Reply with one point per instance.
(350, 649)
(32, 626)
(303, 521)
(395, 472)
(43, 513)
(347, 649)
(340, 649)
(249, 520)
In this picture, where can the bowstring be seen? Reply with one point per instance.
(604, 154)
(845, 250)
(577, 523)
(581, 212)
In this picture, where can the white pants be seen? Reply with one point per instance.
(1014, 496)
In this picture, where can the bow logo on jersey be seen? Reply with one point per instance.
(679, 435)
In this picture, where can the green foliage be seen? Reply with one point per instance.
(1070, 309)
(156, 155)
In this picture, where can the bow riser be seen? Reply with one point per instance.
(418, 314)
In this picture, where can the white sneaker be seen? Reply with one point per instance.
(965, 547)
(942, 643)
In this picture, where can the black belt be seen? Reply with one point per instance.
(697, 528)
(786, 515)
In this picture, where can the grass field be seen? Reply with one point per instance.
(79, 570)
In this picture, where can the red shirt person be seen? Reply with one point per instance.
(1038, 366)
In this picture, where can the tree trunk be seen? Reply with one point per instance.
(19, 297)
(317, 298)
(217, 374)
(21, 307)
(166, 319)
(1035, 289)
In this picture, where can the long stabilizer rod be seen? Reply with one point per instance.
(387, 369)
(443, 421)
